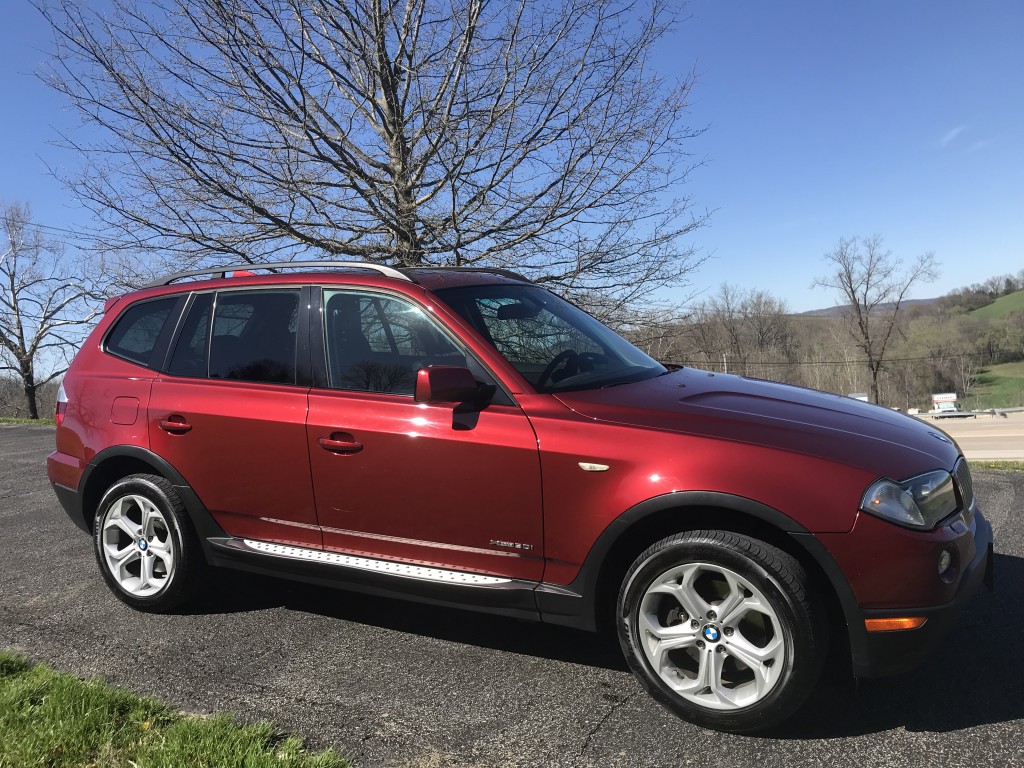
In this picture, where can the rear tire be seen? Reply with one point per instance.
(722, 629)
(145, 545)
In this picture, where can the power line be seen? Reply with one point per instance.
(51, 228)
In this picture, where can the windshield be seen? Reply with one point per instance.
(556, 346)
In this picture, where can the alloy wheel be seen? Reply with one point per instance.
(137, 546)
(711, 636)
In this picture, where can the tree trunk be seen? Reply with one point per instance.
(29, 381)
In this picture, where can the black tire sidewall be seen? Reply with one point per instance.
(798, 628)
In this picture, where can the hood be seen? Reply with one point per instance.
(721, 406)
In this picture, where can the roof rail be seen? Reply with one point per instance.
(490, 270)
(223, 271)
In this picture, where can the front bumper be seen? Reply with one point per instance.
(878, 654)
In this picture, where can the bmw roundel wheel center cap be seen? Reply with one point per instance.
(711, 633)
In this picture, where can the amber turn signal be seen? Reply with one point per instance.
(893, 625)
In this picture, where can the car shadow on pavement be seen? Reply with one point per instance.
(975, 677)
(238, 592)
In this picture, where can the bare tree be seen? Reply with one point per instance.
(746, 331)
(531, 134)
(44, 303)
(873, 287)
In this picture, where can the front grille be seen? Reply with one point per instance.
(965, 486)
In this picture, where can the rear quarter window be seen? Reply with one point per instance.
(136, 334)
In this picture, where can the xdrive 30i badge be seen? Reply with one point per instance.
(511, 544)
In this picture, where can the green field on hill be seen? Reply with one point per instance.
(1001, 386)
(1004, 305)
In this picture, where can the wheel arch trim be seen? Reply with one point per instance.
(202, 520)
(578, 604)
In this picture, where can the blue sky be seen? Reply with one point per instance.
(825, 120)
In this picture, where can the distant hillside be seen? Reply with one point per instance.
(841, 310)
(1004, 305)
(999, 386)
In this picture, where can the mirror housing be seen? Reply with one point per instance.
(445, 384)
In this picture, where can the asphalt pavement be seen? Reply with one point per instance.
(390, 683)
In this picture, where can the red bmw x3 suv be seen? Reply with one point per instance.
(466, 438)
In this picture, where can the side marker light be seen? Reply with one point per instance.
(894, 625)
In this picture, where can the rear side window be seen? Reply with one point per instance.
(136, 333)
(251, 337)
(189, 357)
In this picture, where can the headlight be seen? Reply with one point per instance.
(920, 502)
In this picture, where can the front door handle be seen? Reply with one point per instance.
(175, 424)
(340, 442)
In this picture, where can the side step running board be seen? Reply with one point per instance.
(388, 567)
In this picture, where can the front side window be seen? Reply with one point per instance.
(553, 344)
(377, 343)
(136, 332)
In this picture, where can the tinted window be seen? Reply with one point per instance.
(189, 358)
(377, 344)
(135, 334)
(253, 337)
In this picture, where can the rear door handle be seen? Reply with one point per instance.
(176, 425)
(340, 442)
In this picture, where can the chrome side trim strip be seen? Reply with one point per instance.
(416, 542)
(390, 567)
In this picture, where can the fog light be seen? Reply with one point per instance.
(948, 565)
(945, 561)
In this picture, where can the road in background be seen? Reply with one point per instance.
(398, 684)
(989, 437)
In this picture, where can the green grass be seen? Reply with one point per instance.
(36, 422)
(1004, 305)
(1000, 386)
(51, 719)
(1003, 466)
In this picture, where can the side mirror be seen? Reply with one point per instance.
(445, 384)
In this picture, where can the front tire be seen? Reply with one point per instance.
(722, 629)
(145, 544)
